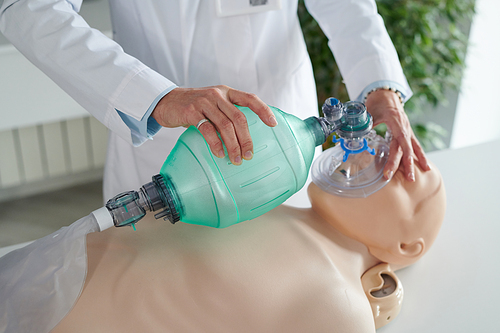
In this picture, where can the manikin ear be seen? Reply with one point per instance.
(413, 249)
(399, 255)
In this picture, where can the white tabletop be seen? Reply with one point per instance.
(454, 287)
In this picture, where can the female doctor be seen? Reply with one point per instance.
(175, 63)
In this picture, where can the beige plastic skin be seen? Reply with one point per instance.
(291, 270)
(384, 292)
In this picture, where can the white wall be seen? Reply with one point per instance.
(477, 116)
(28, 97)
(47, 141)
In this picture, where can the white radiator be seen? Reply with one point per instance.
(45, 157)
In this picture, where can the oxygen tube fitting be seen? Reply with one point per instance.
(129, 207)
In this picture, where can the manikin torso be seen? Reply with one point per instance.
(287, 271)
(290, 270)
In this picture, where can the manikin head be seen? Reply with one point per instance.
(398, 223)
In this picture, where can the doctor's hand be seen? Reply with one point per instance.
(189, 106)
(385, 107)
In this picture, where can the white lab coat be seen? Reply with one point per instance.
(184, 42)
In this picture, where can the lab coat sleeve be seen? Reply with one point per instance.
(89, 66)
(383, 84)
(360, 43)
(147, 127)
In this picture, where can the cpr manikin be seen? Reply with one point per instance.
(290, 270)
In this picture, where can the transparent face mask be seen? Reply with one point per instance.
(353, 175)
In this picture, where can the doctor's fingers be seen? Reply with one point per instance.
(254, 103)
(210, 134)
(232, 126)
(404, 146)
(419, 152)
(395, 154)
(400, 147)
(399, 154)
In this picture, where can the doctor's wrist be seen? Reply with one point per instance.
(385, 88)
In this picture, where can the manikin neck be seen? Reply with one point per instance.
(353, 257)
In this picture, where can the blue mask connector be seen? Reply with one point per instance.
(348, 151)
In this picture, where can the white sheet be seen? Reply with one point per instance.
(40, 282)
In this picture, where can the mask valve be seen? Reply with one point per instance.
(352, 123)
(343, 170)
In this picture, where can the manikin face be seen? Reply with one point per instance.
(397, 223)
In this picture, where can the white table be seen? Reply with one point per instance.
(455, 286)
